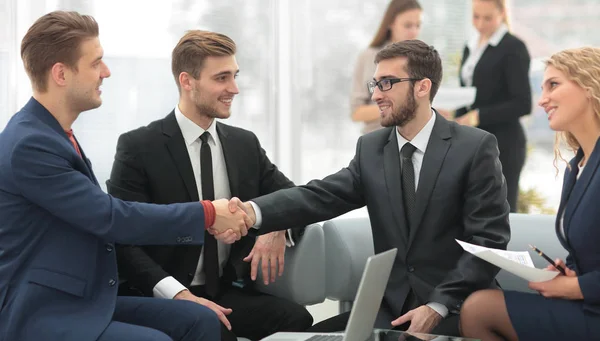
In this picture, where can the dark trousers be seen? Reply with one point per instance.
(448, 326)
(155, 319)
(256, 315)
(512, 145)
(512, 162)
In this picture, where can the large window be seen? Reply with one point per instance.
(296, 59)
(328, 36)
(138, 51)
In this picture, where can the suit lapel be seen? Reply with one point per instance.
(231, 156)
(37, 109)
(568, 183)
(581, 184)
(391, 168)
(179, 154)
(437, 148)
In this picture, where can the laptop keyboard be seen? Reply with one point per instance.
(325, 338)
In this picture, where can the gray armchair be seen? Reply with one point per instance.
(348, 244)
(303, 279)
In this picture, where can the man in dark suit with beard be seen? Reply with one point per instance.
(425, 182)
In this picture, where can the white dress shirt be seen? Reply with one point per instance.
(476, 51)
(420, 142)
(169, 287)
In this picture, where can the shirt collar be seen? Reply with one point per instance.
(190, 130)
(493, 41)
(421, 140)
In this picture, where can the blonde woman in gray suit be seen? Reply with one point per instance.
(401, 21)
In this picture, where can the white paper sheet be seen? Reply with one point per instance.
(452, 98)
(517, 263)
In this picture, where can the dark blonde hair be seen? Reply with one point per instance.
(193, 48)
(423, 61)
(501, 4)
(55, 38)
(394, 8)
(582, 66)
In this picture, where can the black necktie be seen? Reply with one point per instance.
(211, 254)
(408, 182)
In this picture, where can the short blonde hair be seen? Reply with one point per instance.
(582, 66)
(55, 38)
(193, 48)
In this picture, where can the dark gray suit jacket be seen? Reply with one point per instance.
(461, 195)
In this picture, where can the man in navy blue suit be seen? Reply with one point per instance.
(58, 270)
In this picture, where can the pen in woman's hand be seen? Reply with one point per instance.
(558, 267)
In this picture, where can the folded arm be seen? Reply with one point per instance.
(518, 102)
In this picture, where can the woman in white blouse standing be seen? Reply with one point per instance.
(401, 21)
(496, 63)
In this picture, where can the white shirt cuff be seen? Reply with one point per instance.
(289, 241)
(257, 214)
(168, 287)
(439, 308)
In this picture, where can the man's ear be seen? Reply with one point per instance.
(185, 81)
(58, 74)
(423, 88)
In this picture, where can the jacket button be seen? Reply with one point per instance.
(112, 282)
(109, 247)
(411, 269)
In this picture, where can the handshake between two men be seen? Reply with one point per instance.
(232, 220)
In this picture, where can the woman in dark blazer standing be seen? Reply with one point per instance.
(496, 63)
(569, 305)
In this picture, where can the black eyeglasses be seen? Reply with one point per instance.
(387, 83)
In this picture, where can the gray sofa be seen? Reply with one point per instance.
(348, 244)
(303, 279)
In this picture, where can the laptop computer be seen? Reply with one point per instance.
(364, 310)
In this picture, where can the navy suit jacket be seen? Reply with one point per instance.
(58, 270)
(579, 203)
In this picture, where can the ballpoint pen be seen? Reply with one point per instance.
(539, 252)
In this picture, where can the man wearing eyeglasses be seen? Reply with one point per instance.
(426, 182)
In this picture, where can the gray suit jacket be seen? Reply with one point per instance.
(461, 195)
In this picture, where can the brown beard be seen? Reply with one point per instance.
(404, 114)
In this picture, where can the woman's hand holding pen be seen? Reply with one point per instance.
(562, 286)
(561, 263)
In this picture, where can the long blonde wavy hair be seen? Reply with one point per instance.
(582, 66)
